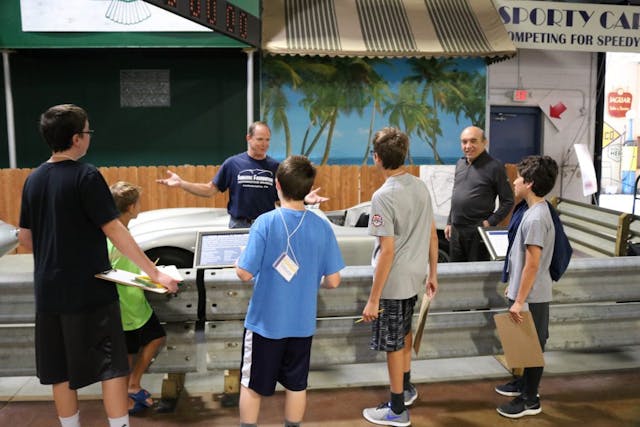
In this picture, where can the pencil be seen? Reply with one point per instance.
(362, 318)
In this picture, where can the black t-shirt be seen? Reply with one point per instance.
(64, 204)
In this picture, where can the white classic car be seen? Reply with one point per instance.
(170, 234)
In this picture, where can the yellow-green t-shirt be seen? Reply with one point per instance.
(135, 310)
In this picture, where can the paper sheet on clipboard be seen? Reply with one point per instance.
(422, 319)
(127, 278)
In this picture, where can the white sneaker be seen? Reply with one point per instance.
(383, 415)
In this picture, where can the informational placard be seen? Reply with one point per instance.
(219, 249)
(497, 241)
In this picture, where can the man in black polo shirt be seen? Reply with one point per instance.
(479, 178)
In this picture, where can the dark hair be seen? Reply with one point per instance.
(541, 171)
(295, 175)
(391, 145)
(125, 195)
(59, 123)
(252, 127)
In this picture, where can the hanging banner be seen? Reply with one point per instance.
(571, 26)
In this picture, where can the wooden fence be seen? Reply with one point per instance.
(344, 185)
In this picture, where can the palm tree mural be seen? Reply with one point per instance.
(278, 73)
(437, 80)
(407, 112)
(336, 86)
(325, 89)
(380, 94)
(471, 104)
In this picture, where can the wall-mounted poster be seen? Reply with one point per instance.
(100, 15)
(329, 108)
(620, 131)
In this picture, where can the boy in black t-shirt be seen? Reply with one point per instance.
(67, 210)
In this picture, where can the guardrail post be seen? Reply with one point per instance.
(172, 386)
(624, 222)
(231, 394)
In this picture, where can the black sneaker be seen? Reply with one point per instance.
(512, 388)
(519, 407)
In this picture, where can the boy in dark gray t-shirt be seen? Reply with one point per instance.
(529, 276)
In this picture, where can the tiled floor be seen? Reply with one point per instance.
(599, 400)
(579, 389)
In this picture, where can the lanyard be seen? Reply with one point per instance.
(290, 235)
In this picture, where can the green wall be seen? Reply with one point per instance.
(205, 123)
(4, 149)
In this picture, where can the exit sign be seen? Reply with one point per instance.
(520, 95)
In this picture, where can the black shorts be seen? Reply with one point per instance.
(393, 324)
(144, 335)
(266, 361)
(82, 348)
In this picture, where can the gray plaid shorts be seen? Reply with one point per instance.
(393, 324)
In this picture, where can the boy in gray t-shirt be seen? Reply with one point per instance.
(529, 276)
(405, 261)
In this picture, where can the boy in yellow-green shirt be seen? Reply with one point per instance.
(143, 332)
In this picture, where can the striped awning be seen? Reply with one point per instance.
(385, 28)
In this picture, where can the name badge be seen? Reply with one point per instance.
(286, 267)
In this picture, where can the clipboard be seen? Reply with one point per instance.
(422, 319)
(128, 278)
(519, 341)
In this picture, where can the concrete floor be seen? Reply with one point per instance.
(579, 389)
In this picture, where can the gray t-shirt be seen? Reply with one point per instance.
(401, 208)
(536, 229)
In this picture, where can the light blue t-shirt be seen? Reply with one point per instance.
(535, 229)
(278, 308)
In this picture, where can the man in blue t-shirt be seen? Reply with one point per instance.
(249, 176)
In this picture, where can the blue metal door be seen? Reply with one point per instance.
(514, 133)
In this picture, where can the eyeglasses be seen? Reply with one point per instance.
(90, 131)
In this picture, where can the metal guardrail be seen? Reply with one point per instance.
(593, 308)
(593, 230)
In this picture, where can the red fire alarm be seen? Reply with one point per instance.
(520, 95)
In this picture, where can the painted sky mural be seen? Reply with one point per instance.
(329, 108)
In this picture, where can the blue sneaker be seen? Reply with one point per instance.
(410, 395)
(383, 415)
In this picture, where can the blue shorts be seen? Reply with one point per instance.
(266, 362)
(82, 348)
(393, 324)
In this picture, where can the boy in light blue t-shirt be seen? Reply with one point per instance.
(291, 252)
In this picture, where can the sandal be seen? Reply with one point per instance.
(137, 407)
(141, 397)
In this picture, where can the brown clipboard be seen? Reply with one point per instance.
(519, 341)
(422, 319)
